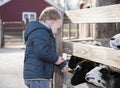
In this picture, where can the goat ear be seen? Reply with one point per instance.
(115, 74)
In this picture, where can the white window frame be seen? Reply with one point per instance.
(29, 15)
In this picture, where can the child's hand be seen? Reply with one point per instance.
(59, 61)
(65, 69)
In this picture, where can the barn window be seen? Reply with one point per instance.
(31, 16)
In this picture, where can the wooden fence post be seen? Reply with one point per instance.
(1, 34)
(58, 77)
(25, 22)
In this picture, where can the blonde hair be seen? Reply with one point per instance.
(50, 13)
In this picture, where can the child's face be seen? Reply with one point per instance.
(55, 25)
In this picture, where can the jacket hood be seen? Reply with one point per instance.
(32, 26)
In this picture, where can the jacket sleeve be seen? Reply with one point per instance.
(41, 47)
(62, 65)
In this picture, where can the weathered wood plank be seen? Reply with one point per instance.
(98, 54)
(58, 76)
(103, 41)
(103, 14)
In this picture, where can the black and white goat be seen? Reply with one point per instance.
(103, 77)
(115, 41)
(80, 71)
(81, 67)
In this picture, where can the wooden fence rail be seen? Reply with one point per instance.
(104, 55)
(103, 14)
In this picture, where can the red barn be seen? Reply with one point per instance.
(13, 13)
(117, 1)
(17, 10)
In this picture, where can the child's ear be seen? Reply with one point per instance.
(51, 22)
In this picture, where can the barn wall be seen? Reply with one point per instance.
(12, 11)
(117, 1)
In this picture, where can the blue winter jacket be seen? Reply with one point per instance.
(40, 53)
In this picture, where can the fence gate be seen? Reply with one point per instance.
(12, 33)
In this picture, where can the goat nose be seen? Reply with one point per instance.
(112, 39)
(87, 75)
(87, 78)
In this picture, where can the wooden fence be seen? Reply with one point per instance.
(11, 33)
(104, 55)
(1, 34)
